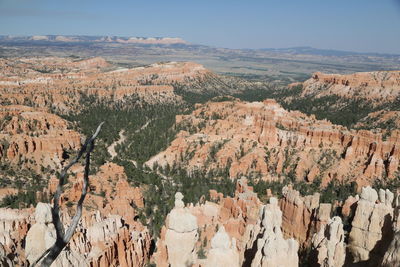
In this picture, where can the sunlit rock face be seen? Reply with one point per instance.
(371, 231)
(223, 251)
(267, 246)
(329, 244)
(33, 138)
(61, 84)
(261, 139)
(180, 237)
(378, 85)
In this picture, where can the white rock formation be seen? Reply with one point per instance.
(329, 243)
(273, 250)
(223, 251)
(42, 234)
(371, 226)
(181, 235)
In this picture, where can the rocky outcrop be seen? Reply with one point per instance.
(35, 139)
(236, 215)
(302, 217)
(14, 225)
(109, 191)
(62, 84)
(4, 260)
(371, 230)
(378, 85)
(329, 244)
(263, 140)
(41, 235)
(299, 214)
(268, 242)
(180, 237)
(223, 250)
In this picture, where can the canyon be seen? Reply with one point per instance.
(192, 171)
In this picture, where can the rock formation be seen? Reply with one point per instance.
(41, 235)
(35, 139)
(299, 214)
(180, 236)
(263, 140)
(109, 191)
(223, 250)
(107, 235)
(237, 216)
(4, 260)
(14, 225)
(62, 84)
(271, 248)
(371, 230)
(101, 39)
(329, 244)
(378, 85)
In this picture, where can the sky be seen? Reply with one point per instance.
(351, 25)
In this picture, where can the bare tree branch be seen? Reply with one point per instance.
(62, 238)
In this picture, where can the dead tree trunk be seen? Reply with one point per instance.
(63, 237)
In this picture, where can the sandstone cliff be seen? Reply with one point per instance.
(262, 140)
(267, 238)
(379, 85)
(34, 139)
(62, 84)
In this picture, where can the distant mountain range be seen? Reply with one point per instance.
(301, 50)
(307, 50)
(102, 39)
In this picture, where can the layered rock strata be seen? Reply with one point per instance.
(62, 84)
(35, 139)
(378, 85)
(262, 140)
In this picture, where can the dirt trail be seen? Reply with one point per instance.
(122, 138)
(111, 148)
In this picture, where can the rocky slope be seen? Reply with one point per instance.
(364, 99)
(380, 86)
(33, 143)
(263, 140)
(64, 84)
(108, 234)
(30, 134)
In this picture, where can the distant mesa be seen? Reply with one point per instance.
(104, 39)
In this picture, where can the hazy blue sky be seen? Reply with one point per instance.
(356, 25)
